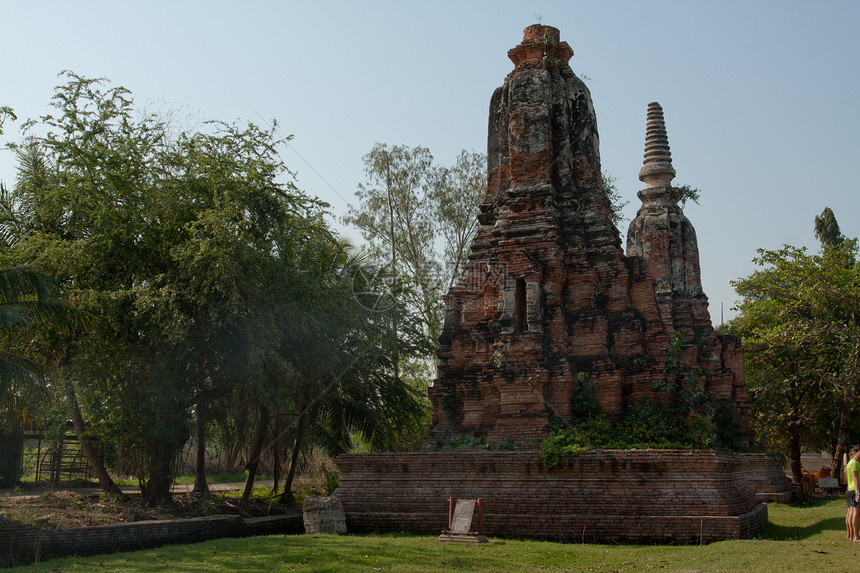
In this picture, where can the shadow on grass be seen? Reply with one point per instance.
(776, 532)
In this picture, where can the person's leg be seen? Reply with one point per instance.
(855, 524)
(852, 530)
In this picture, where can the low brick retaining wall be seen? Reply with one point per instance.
(766, 475)
(21, 544)
(654, 496)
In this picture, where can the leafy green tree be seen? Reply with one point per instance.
(845, 376)
(339, 354)
(616, 201)
(30, 299)
(218, 288)
(798, 320)
(418, 219)
(225, 273)
(396, 220)
(455, 195)
(688, 193)
(827, 229)
(170, 242)
(79, 210)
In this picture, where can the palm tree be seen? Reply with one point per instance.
(28, 298)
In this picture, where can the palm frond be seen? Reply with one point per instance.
(29, 297)
(18, 374)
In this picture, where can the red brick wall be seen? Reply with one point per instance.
(666, 496)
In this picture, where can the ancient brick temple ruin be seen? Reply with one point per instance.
(550, 299)
(549, 302)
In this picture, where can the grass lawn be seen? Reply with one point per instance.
(808, 539)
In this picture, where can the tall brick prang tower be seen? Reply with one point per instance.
(549, 299)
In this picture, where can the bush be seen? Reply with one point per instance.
(681, 417)
(561, 444)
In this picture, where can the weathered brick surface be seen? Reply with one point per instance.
(669, 496)
(765, 473)
(26, 544)
(549, 297)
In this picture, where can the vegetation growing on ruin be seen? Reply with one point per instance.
(684, 417)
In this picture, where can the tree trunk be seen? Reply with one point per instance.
(200, 485)
(254, 461)
(276, 454)
(231, 452)
(156, 490)
(842, 439)
(294, 458)
(95, 460)
(794, 451)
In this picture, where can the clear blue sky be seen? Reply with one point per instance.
(761, 98)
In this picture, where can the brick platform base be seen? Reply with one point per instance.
(604, 496)
(766, 475)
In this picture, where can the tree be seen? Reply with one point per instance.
(338, 354)
(827, 229)
(846, 383)
(28, 298)
(409, 208)
(213, 279)
(798, 320)
(688, 193)
(418, 219)
(169, 241)
(225, 273)
(84, 190)
(396, 220)
(456, 194)
(6, 112)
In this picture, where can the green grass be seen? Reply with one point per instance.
(808, 539)
(224, 477)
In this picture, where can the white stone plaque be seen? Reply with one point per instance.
(462, 521)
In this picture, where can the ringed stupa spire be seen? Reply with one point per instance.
(657, 170)
(664, 238)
